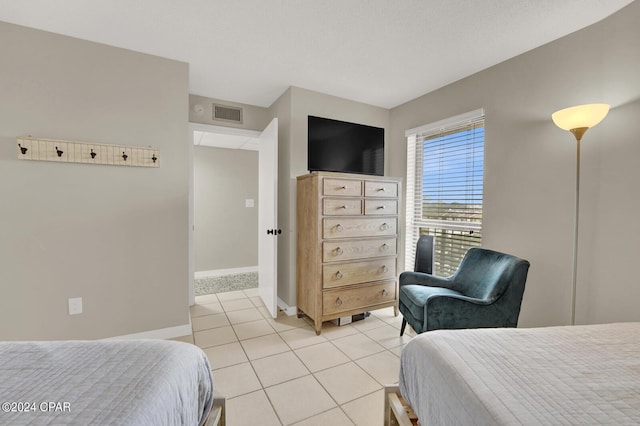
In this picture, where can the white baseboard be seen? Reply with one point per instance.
(289, 310)
(222, 272)
(162, 333)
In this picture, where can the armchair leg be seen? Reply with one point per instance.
(404, 324)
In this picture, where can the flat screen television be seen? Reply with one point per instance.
(339, 146)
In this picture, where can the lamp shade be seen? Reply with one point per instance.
(580, 116)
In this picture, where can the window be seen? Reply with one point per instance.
(445, 164)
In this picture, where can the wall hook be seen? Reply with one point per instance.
(59, 151)
(154, 158)
(93, 154)
(23, 149)
(124, 156)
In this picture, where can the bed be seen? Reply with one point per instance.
(124, 382)
(551, 375)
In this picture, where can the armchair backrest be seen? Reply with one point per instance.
(424, 255)
(487, 274)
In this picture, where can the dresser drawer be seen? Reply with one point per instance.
(380, 206)
(341, 300)
(341, 206)
(380, 189)
(358, 227)
(350, 187)
(336, 251)
(340, 274)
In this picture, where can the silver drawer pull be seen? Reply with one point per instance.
(384, 292)
(338, 301)
(339, 275)
(345, 207)
(338, 251)
(343, 187)
(381, 189)
(385, 247)
(384, 269)
(384, 226)
(380, 207)
(339, 228)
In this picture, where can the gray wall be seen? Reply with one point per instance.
(530, 167)
(115, 236)
(294, 106)
(226, 232)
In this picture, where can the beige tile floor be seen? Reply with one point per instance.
(278, 372)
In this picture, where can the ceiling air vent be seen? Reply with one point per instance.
(227, 113)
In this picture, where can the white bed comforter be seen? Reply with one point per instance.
(581, 375)
(114, 382)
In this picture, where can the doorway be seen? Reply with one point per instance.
(234, 237)
(227, 141)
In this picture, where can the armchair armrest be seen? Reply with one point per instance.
(420, 278)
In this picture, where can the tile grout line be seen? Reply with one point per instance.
(293, 350)
(263, 389)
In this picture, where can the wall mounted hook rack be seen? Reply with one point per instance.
(62, 151)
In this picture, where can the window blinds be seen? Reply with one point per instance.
(445, 165)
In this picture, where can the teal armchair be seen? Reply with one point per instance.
(485, 291)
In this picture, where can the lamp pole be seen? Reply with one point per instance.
(578, 120)
(574, 283)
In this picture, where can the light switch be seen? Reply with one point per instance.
(75, 306)
(249, 202)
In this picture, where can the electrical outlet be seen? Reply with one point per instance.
(249, 203)
(75, 306)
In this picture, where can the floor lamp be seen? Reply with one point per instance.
(578, 120)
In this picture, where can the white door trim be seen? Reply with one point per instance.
(210, 128)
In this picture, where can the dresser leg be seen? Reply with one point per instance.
(395, 310)
(318, 325)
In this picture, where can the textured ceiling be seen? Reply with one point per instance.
(381, 52)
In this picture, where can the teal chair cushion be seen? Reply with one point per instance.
(413, 299)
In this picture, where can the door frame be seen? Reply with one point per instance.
(210, 129)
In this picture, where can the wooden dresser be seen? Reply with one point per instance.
(346, 244)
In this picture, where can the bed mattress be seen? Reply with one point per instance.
(121, 382)
(552, 375)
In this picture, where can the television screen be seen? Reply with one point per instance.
(338, 146)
